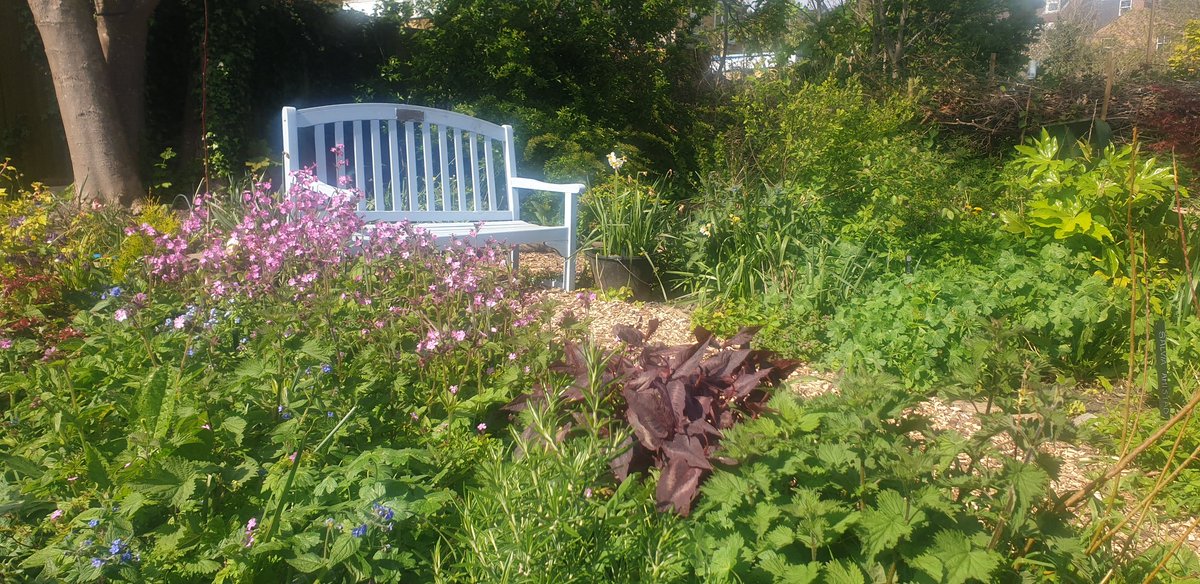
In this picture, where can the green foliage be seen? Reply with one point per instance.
(1066, 51)
(575, 78)
(24, 220)
(1094, 202)
(788, 326)
(547, 509)
(853, 165)
(917, 326)
(246, 439)
(623, 216)
(1185, 60)
(1178, 444)
(261, 55)
(892, 41)
(791, 299)
(858, 488)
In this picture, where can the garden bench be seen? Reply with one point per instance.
(443, 171)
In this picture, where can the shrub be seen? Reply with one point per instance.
(856, 166)
(916, 326)
(1093, 202)
(1185, 60)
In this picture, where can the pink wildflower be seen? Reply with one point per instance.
(120, 315)
(56, 514)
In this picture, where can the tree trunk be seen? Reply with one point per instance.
(123, 26)
(102, 162)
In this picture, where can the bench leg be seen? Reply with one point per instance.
(515, 258)
(569, 273)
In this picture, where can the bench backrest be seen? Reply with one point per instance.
(410, 162)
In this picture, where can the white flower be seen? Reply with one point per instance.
(615, 162)
(232, 242)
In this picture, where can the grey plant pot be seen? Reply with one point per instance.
(615, 272)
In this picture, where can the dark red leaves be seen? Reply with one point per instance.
(677, 400)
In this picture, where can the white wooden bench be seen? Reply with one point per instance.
(443, 171)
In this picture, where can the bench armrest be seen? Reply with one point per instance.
(570, 193)
(537, 185)
(329, 190)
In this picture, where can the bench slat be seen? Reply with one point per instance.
(410, 168)
(444, 166)
(360, 181)
(339, 141)
(458, 170)
(328, 114)
(320, 154)
(376, 165)
(475, 172)
(491, 174)
(427, 157)
(396, 186)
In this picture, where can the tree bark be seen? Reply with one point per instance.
(102, 162)
(123, 26)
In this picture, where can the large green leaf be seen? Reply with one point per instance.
(962, 560)
(307, 563)
(837, 572)
(149, 399)
(891, 519)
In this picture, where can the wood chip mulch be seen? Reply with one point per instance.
(1080, 462)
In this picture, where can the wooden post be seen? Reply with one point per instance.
(1109, 70)
(1150, 33)
(992, 69)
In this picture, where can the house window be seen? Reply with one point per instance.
(1125, 6)
(1052, 5)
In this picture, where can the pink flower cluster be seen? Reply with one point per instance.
(276, 245)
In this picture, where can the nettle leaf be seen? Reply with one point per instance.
(166, 412)
(96, 466)
(837, 456)
(891, 519)
(837, 572)
(725, 557)
(149, 399)
(962, 560)
(783, 572)
(764, 515)
(236, 426)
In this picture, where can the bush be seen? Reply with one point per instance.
(856, 166)
(1093, 201)
(575, 79)
(915, 326)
